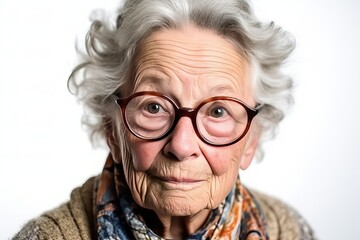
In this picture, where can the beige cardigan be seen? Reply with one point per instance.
(74, 219)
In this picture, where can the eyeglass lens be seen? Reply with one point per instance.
(217, 121)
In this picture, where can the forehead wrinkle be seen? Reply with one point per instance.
(162, 70)
(154, 77)
(205, 60)
(195, 46)
(190, 68)
(193, 50)
(175, 58)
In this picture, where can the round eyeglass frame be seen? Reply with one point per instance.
(186, 112)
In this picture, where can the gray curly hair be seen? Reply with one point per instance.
(110, 48)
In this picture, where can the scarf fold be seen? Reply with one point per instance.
(118, 217)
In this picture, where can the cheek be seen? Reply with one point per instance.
(225, 159)
(143, 153)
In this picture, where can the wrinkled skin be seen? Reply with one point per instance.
(180, 177)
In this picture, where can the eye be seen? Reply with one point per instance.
(218, 112)
(153, 108)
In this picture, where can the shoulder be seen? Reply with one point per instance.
(283, 221)
(71, 220)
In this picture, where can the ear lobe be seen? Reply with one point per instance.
(250, 148)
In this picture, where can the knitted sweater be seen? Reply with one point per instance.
(75, 219)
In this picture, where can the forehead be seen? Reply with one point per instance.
(193, 41)
(190, 55)
(192, 36)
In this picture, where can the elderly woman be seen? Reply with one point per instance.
(183, 91)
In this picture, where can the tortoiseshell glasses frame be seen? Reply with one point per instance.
(217, 121)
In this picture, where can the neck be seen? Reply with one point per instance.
(175, 227)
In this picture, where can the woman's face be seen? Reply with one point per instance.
(181, 175)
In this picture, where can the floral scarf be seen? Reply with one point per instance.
(119, 217)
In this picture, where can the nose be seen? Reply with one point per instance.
(183, 142)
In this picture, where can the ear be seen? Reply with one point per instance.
(250, 146)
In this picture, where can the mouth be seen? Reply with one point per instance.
(178, 180)
(171, 183)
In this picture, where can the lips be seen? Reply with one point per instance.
(178, 180)
(176, 183)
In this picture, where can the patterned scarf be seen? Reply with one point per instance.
(119, 217)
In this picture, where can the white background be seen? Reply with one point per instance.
(312, 164)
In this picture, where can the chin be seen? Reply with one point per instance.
(179, 207)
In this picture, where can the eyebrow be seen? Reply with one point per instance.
(152, 80)
(158, 82)
(219, 89)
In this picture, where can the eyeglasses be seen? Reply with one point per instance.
(218, 121)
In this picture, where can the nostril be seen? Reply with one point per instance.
(171, 155)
